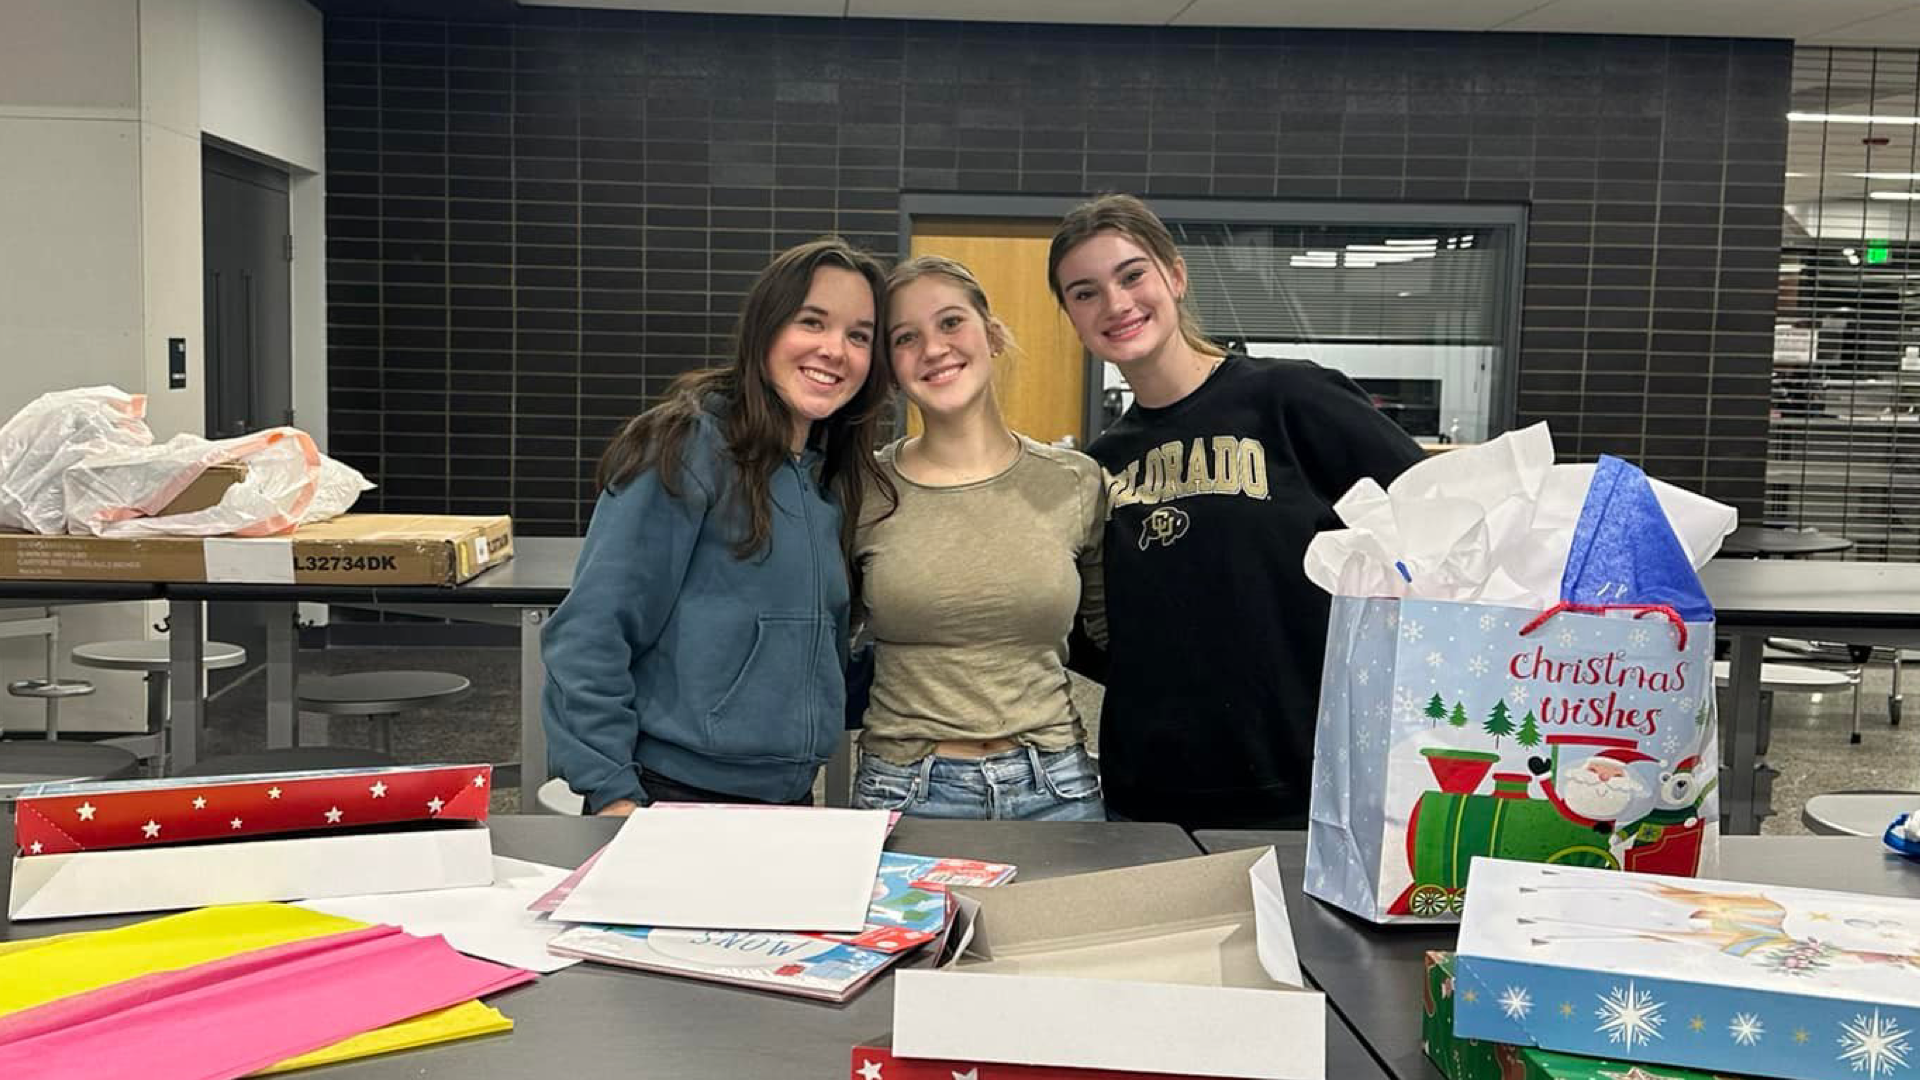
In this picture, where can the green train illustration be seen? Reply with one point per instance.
(1447, 828)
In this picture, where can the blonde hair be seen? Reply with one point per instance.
(1130, 218)
(921, 266)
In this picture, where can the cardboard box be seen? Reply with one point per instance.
(880, 1063)
(206, 490)
(1472, 1059)
(152, 845)
(1183, 967)
(1717, 975)
(352, 549)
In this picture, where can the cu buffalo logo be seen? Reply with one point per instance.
(1163, 527)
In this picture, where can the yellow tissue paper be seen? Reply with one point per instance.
(41, 970)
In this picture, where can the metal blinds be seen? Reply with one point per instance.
(1844, 448)
(1436, 285)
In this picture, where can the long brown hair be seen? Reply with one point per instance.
(755, 422)
(1130, 218)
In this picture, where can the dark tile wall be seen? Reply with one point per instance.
(533, 226)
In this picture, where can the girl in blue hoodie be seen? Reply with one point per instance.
(699, 655)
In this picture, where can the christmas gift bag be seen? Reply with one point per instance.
(1576, 728)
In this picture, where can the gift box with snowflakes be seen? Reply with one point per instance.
(1473, 1059)
(147, 845)
(1665, 972)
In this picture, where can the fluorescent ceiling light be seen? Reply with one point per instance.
(1882, 175)
(1845, 118)
(1894, 196)
(1791, 268)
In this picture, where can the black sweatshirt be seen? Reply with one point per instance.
(1216, 636)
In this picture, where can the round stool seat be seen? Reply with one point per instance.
(1790, 678)
(152, 655)
(556, 797)
(369, 693)
(289, 759)
(1857, 813)
(23, 764)
(50, 688)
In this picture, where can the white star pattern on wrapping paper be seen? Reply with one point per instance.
(35, 849)
(235, 823)
(379, 789)
(434, 804)
(1874, 1046)
(1746, 1029)
(1516, 1003)
(333, 816)
(86, 810)
(199, 802)
(273, 793)
(970, 1074)
(151, 828)
(480, 781)
(870, 1070)
(1630, 1017)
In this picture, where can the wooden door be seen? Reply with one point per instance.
(1041, 384)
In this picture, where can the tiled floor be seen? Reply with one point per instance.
(1810, 745)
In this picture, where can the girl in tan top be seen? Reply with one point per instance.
(972, 581)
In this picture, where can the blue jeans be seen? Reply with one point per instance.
(1023, 784)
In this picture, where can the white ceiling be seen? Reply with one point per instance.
(1816, 22)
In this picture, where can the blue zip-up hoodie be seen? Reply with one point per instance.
(672, 654)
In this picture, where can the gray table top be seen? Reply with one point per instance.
(1758, 540)
(1374, 975)
(1814, 595)
(592, 1020)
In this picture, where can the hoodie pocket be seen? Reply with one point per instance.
(767, 712)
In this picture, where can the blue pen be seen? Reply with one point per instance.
(1402, 567)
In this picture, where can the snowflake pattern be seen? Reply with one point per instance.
(1478, 666)
(1516, 1002)
(1566, 637)
(1746, 1029)
(1361, 676)
(1411, 630)
(1434, 659)
(1487, 621)
(1874, 1045)
(1629, 1016)
(1519, 694)
(1638, 638)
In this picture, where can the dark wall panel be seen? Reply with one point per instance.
(534, 226)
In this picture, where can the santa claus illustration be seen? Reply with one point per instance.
(1615, 786)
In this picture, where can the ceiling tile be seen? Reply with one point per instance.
(1356, 14)
(1711, 18)
(832, 8)
(1134, 12)
(1896, 28)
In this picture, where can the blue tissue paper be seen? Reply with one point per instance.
(1625, 551)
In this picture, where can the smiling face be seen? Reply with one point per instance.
(1124, 304)
(942, 346)
(820, 357)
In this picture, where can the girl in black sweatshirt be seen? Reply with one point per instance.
(1219, 475)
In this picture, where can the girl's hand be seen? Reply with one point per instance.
(618, 808)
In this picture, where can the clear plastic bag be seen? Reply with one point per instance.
(52, 433)
(288, 483)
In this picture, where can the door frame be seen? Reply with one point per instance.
(1504, 395)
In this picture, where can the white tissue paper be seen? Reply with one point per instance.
(1491, 524)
